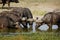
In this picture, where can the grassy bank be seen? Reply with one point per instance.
(33, 36)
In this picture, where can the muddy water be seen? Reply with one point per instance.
(43, 27)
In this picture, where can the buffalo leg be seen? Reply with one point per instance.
(4, 2)
(50, 27)
(25, 28)
(3, 5)
(8, 4)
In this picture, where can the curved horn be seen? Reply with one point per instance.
(30, 19)
(39, 21)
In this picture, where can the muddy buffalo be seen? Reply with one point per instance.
(6, 23)
(27, 15)
(12, 15)
(51, 18)
(24, 14)
(8, 2)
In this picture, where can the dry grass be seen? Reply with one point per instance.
(37, 7)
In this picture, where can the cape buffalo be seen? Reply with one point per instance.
(51, 18)
(12, 15)
(8, 2)
(5, 23)
(28, 15)
(24, 13)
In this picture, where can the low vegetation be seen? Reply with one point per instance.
(33, 36)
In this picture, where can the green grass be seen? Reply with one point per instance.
(33, 36)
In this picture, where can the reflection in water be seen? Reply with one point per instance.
(28, 25)
(33, 27)
(55, 27)
(44, 27)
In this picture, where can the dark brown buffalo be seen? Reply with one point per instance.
(0, 2)
(27, 13)
(12, 15)
(5, 23)
(24, 13)
(51, 18)
(8, 2)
